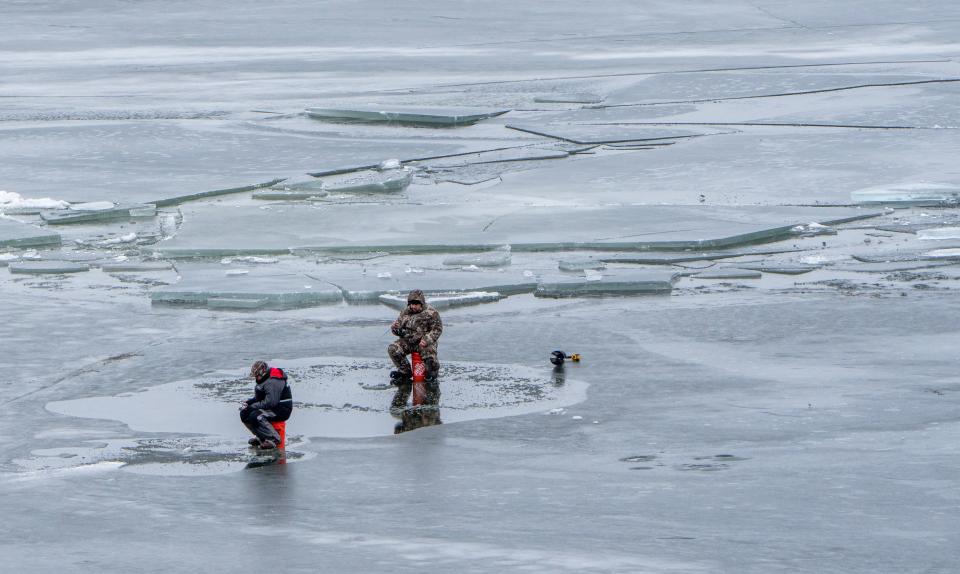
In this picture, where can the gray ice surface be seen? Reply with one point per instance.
(413, 229)
(786, 423)
(15, 234)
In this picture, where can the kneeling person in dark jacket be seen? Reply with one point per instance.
(272, 401)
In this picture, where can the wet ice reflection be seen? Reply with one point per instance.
(335, 397)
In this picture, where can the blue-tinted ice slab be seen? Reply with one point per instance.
(952, 254)
(598, 134)
(178, 199)
(136, 266)
(484, 227)
(782, 269)
(334, 398)
(939, 233)
(371, 181)
(16, 234)
(728, 273)
(48, 267)
(360, 286)
(581, 264)
(441, 300)
(498, 258)
(569, 98)
(289, 195)
(909, 194)
(199, 286)
(63, 217)
(496, 156)
(608, 282)
(668, 258)
(406, 114)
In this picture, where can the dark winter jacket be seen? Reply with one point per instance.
(273, 394)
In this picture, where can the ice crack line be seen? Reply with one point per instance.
(764, 124)
(659, 73)
(778, 95)
(81, 371)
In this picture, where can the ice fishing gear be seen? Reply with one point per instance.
(557, 357)
(419, 377)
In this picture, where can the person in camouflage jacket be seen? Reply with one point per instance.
(418, 328)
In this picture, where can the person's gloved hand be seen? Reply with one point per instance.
(242, 406)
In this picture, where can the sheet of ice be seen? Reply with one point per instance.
(724, 84)
(100, 211)
(569, 98)
(939, 234)
(813, 166)
(909, 194)
(291, 195)
(597, 134)
(334, 397)
(580, 264)
(441, 300)
(386, 181)
(496, 156)
(497, 258)
(360, 285)
(952, 253)
(136, 266)
(198, 285)
(727, 273)
(608, 282)
(411, 115)
(47, 267)
(16, 234)
(446, 228)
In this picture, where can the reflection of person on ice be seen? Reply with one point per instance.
(272, 401)
(418, 328)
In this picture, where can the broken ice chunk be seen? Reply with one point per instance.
(921, 193)
(83, 215)
(134, 266)
(48, 267)
(389, 164)
(728, 273)
(371, 182)
(278, 292)
(288, 195)
(406, 114)
(441, 300)
(128, 238)
(384, 275)
(951, 253)
(811, 229)
(619, 282)
(939, 233)
(569, 98)
(16, 234)
(577, 265)
(498, 258)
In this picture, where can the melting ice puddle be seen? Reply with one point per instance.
(334, 397)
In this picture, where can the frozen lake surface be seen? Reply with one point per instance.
(744, 217)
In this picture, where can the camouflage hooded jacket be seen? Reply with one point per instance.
(422, 326)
